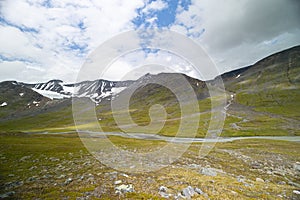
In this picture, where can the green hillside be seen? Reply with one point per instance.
(262, 99)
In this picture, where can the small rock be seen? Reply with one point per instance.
(24, 158)
(296, 192)
(199, 191)
(124, 189)
(256, 165)
(259, 180)
(68, 181)
(282, 183)
(117, 182)
(163, 189)
(179, 196)
(125, 175)
(241, 179)
(248, 185)
(235, 126)
(188, 192)
(165, 195)
(297, 166)
(269, 172)
(208, 172)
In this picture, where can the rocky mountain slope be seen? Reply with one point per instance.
(16, 98)
(270, 85)
(96, 90)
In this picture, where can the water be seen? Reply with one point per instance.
(144, 136)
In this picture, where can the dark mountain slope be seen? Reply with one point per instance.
(52, 85)
(16, 98)
(280, 69)
(271, 85)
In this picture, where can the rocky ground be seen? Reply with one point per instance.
(59, 167)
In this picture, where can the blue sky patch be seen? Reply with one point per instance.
(185, 4)
(150, 50)
(81, 25)
(165, 17)
(47, 4)
(80, 49)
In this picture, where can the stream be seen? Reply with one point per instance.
(148, 136)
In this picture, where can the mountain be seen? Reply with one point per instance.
(262, 99)
(16, 98)
(96, 90)
(279, 68)
(270, 85)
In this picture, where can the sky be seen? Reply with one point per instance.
(42, 40)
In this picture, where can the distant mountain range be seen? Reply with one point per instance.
(96, 90)
(268, 90)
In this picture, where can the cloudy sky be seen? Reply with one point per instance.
(46, 39)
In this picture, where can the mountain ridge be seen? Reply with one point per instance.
(264, 95)
(101, 86)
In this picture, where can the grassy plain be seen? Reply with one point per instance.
(38, 166)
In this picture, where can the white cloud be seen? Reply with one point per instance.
(43, 42)
(136, 64)
(10, 69)
(15, 43)
(155, 6)
(237, 32)
(58, 37)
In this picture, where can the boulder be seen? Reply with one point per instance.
(259, 180)
(188, 192)
(297, 166)
(162, 191)
(208, 171)
(121, 189)
(117, 182)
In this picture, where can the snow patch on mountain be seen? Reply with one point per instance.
(69, 89)
(50, 94)
(95, 90)
(117, 90)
